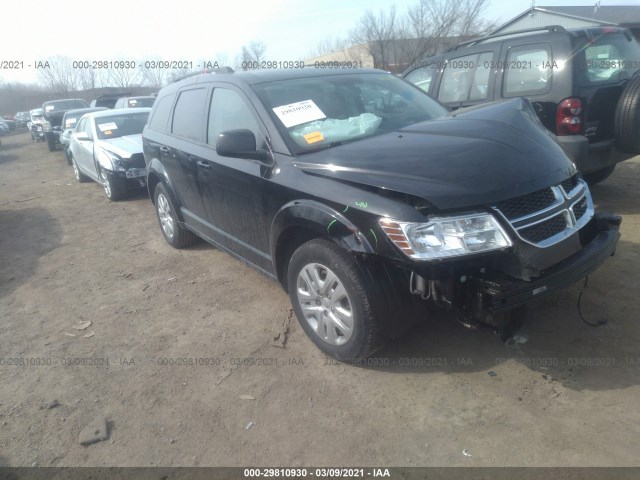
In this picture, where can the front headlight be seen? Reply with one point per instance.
(104, 156)
(447, 237)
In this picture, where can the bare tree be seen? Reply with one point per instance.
(430, 26)
(254, 52)
(124, 77)
(153, 77)
(329, 45)
(379, 33)
(471, 22)
(60, 77)
(89, 78)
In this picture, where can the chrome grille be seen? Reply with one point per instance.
(580, 208)
(548, 216)
(543, 230)
(527, 204)
(570, 183)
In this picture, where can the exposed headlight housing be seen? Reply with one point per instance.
(105, 156)
(446, 237)
(46, 126)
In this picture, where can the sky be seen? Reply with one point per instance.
(193, 30)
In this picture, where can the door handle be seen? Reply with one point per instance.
(164, 149)
(203, 164)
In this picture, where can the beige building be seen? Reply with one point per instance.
(357, 56)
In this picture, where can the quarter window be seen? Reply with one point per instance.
(161, 113)
(188, 114)
(528, 70)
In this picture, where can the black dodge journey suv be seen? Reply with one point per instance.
(369, 201)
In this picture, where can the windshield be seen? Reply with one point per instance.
(322, 112)
(609, 57)
(141, 102)
(63, 105)
(115, 126)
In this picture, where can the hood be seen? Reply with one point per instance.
(125, 146)
(471, 157)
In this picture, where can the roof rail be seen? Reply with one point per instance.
(548, 28)
(205, 71)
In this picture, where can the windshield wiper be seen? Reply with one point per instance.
(323, 147)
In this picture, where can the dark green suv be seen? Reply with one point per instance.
(582, 83)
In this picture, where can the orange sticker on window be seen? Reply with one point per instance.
(314, 137)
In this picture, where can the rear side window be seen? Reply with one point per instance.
(187, 116)
(466, 78)
(528, 70)
(607, 58)
(161, 112)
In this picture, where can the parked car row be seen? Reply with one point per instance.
(56, 125)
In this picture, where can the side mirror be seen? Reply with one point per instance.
(82, 136)
(240, 144)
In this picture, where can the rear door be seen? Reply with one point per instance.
(187, 127)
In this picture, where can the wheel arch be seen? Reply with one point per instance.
(156, 173)
(299, 221)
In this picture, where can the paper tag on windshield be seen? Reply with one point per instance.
(107, 126)
(48, 108)
(298, 113)
(69, 121)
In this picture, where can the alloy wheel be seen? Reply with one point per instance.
(164, 214)
(325, 304)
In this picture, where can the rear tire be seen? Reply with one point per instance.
(173, 231)
(80, 177)
(598, 176)
(627, 118)
(331, 301)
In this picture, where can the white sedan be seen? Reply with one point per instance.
(106, 147)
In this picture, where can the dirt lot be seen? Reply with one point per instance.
(68, 255)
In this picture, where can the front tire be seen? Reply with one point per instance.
(51, 143)
(173, 231)
(331, 301)
(599, 175)
(114, 188)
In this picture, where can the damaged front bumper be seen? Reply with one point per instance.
(505, 294)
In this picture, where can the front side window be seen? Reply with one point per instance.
(188, 114)
(421, 77)
(229, 112)
(457, 79)
(528, 70)
(81, 124)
